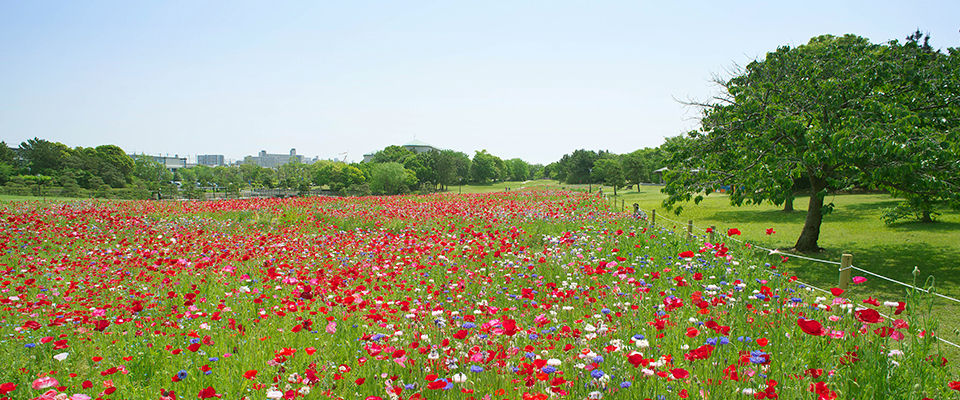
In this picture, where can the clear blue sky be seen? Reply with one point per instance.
(533, 80)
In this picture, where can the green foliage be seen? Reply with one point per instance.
(453, 167)
(391, 178)
(485, 167)
(517, 170)
(337, 175)
(397, 154)
(639, 165)
(838, 110)
(575, 168)
(42, 157)
(362, 189)
(150, 171)
(608, 171)
(913, 208)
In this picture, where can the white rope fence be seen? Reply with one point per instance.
(690, 227)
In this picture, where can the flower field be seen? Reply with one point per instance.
(522, 295)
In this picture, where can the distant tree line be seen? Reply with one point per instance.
(40, 166)
(606, 168)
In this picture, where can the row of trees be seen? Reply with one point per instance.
(393, 170)
(396, 169)
(604, 167)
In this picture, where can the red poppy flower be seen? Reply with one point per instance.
(250, 374)
(686, 254)
(955, 385)
(9, 387)
(811, 327)
(680, 373)
(836, 291)
(814, 372)
(868, 315)
(208, 393)
(770, 231)
(733, 231)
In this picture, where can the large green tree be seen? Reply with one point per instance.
(42, 156)
(517, 169)
(391, 178)
(452, 167)
(397, 154)
(609, 172)
(485, 166)
(840, 111)
(638, 166)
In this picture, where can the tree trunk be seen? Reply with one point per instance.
(811, 227)
(788, 204)
(926, 216)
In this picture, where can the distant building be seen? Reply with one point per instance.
(171, 163)
(267, 160)
(416, 146)
(210, 160)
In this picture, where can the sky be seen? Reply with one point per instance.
(337, 79)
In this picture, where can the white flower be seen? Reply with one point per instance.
(60, 357)
(459, 378)
(891, 303)
(748, 391)
(274, 394)
(554, 362)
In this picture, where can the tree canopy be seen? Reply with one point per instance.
(839, 111)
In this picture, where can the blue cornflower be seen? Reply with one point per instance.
(549, 369)
(625, 384)
(182, 375)
(596, 374)
(476, 368)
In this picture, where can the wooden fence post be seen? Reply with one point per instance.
(846, 261)
(713, 229)
(690, 229)
(653, 217)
